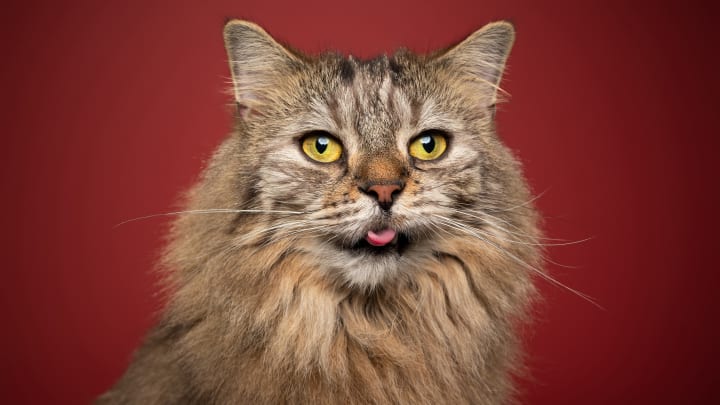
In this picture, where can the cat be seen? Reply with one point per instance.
(362, 236)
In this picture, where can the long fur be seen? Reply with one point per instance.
(266, 304)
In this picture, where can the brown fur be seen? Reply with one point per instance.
(264, 310)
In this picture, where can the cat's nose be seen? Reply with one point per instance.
(384, 193)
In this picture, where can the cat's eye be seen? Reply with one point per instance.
(430, 145)
(321, 147)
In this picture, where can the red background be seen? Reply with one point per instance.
(110, 110)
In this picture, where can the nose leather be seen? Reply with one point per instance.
(384, 193)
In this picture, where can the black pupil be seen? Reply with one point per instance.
(321, 144)
(428, 143)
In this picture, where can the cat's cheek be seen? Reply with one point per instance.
(341, 194)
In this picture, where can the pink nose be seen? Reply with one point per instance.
(384, 193)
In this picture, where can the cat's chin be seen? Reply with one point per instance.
(365, 265)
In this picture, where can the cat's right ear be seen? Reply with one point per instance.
(257, 63)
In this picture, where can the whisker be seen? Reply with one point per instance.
(485, 215)
(211, 211)
(557, 241)
(258, 233)
(522, 235)
(515, 241)
(454, 224)
(499, 205)
(565, 266)
(535, 198)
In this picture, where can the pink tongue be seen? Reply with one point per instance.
(380, 238)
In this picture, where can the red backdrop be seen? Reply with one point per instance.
(110, 110)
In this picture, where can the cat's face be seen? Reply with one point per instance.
(368, 163)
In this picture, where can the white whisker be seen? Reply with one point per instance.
(521, 235)
(526, 202)
(212, 211)
(460, 227)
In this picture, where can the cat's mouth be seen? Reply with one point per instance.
(381, 242)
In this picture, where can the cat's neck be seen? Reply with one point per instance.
(280, 312)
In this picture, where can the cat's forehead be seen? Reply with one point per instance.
(373, 71)
(368, 99)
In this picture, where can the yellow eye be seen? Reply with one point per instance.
(428, 146)
(322, 148)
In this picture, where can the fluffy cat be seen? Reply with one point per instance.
(362, 236)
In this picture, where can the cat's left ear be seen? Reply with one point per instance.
(258, 65)
(482, 56)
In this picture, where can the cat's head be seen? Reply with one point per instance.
(371, 164)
